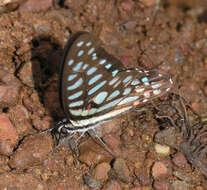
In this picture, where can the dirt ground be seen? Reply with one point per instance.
(161, 145)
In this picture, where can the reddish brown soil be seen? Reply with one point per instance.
(167, 35)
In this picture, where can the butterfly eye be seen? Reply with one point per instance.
(95, 86)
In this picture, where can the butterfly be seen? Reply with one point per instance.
(94, 86)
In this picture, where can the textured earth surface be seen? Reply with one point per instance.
(161, 145)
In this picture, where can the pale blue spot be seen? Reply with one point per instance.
(114, 72)
(156, 85)
(94, 55)
(88, 44)
(85, 66)
(113, 95)
(75, 85)
(156, 92)
(92, 111)
(98, 86)
(128, 99)
(94, 79)
(109, 105)
(71, 77)
(98, 99)
(144, 79)
(76, 95)
(91, 70)
(84, 112)
(113, 81)
(127, 91)
(127, 79)
(78, 66)
(91, 51)
(75, 104)
(108, 66)
(101, 62)
(76, 112)
(80, 53)
(80, 43)
(71, 62)
(135, 82)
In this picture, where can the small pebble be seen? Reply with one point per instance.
(32, 151)
(161, 185)
(122, 170)
(92, 153)
(142, 176)
(8, 135)
(161, 169)
(9, 89)
(36, 6)
(112, 185)
(184, 176)
(179, 185)
(127, 5)
(166, 136)
(90, 181)
(149, 3)
(137, 188)
(100, 172)
(4, 164)
(162, 150)
(179, 160)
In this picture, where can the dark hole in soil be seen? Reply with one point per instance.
(61, 3)
(161, 127)
(178, 27)
(112, 162)
(35, 43)
(203, 17)
(5, 110)
(144, 31)
(162, 123)
(185, 8)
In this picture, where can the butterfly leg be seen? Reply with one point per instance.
(74, 143)
(102, 142)
(63, 140)
(80, 136)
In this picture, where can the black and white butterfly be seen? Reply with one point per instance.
(95, 86)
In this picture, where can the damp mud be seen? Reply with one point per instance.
(160, 145)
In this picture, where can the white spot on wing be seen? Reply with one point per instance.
(79, 44)
(70, 62)
(88, 44)
(80, 53)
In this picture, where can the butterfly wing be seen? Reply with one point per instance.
(95, 86)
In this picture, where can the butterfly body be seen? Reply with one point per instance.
(95, 86)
